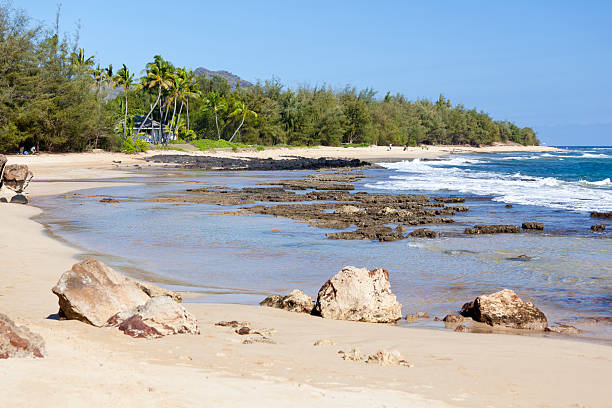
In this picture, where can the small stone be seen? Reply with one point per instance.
(401, 228)
(454, 318)
(388, 358)
(563, 329)
(19, 199)
(462, 328)
(109, 200)
(232, 323)
(419, 315)
(352, 355)
(598, 227)
(243, 330)
(424, 233)
(508, 205)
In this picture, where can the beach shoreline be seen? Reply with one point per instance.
(450, 369)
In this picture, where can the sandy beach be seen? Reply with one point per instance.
(95, 367)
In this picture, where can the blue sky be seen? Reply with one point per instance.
(544, 64)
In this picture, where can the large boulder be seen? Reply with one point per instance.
(506, 309)
(16, 177)
(159, 316)
(19, 341)
(296, 301)
(93, 292)
(3, 160)
(359, 295)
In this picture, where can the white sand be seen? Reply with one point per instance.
(94, 367)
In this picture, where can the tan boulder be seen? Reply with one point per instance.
(359, 295)
(159, 316)
(19, 341)
(16, 177)
(93, 292)
(505, 309)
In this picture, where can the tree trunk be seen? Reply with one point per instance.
(149, 114)
(217, 123)
(173, 115)
(239, 126)
(177, 120)
(161, 119)
(188, 128)
(125, 119)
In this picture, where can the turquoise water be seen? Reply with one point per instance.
(243, 258)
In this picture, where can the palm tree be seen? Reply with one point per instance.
(215, 103)
(158, 74)
(79, 59)
(240, 108)
(98, 78)
(126, 80)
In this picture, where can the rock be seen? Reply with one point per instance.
(19, 341)
(388, 358)
(154, 291)
(401, 228)
(455, 318)
(506, 309)
(419, 315)
(92, 292)
(3, 200)
(349, 210)
(522, 258)
(563, 329)
(352, 355)
(462, 328)
(508, 205)
(450, 199)
(605, 215)
(243, 330)
(19, 199)
(109, 200)
(387, 211)
(159, 316)
(533, 225)
(296, 301)
(3, 160)
(493, 229)
(16, 177)
(253, 340)
(359, 295)
(380, 233)
(424, 233)
(598, 227)
(232, 323)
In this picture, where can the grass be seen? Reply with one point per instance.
(162, 147)
(208, 144)
(356, 145)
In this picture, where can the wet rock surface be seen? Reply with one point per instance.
(19, 199)
(295, 301)
(424, 233)
(533, 226)
(358, 294)
(505, 309)
(563, 329)
(291, 163)
(92, 292)
(493, 229)
(598, 228)
(18, 341)
(604, 215)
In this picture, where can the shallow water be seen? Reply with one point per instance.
(243, 258)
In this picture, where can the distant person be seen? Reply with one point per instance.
(406, 147)
(390, 146)
(21, 149)
(33, 150)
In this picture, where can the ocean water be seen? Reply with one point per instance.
(241, 259)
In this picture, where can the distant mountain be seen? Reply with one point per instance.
(232, 79)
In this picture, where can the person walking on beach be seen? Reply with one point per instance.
(390, 146)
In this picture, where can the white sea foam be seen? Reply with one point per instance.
(516, 188)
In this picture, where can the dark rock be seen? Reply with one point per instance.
(3, 200)
(109, 200)
(19, 341)
(16, 177)
(19, 199)
(3, 160)
(493, 229)
(243, 330)
(563, 329)
(220, 163)
(462, 328)
(424, 233)
(233, 323)
(523, 258)
(401, 228)
(506, 309)
(450, 199)
(533, 225)
(598, 228)
(605, 215)
(419, 315)
(380, 233)
(508, 205)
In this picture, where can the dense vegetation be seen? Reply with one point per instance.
(52, 97)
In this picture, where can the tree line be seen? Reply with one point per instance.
(54, 97)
